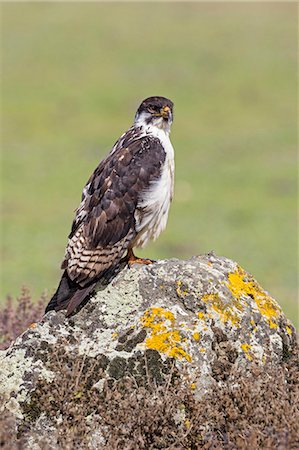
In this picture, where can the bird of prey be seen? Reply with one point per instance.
(124, 204)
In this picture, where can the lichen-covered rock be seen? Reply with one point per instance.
(205, 315)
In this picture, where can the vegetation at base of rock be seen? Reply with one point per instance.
(257, 410)
(17, 316)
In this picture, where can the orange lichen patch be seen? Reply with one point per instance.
(163, 337)
(202, 350)
(241, 284)
(246, 348)
(33, 325)
(225, 311)
(196, 336)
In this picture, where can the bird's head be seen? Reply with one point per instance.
(155, 111)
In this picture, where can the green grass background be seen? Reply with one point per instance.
(73, 76)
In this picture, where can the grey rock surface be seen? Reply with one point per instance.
(205, 315)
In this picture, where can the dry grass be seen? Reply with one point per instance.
(259, 410)
(17, 316)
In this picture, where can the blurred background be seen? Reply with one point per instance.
(73, 77)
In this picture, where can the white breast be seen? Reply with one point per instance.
(152, 210)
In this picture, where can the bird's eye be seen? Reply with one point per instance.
(151, 110)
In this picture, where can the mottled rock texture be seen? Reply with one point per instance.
(205, 317)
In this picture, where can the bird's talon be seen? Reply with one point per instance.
(145, 261)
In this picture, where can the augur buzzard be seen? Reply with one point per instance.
(124, 204)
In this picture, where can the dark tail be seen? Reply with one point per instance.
(69, 295)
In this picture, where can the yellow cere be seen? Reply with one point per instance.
(163, 335)
(246, 349)
(241, 284)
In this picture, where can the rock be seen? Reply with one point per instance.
(204, 316)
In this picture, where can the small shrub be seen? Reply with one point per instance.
(17, 316)
(259, 410)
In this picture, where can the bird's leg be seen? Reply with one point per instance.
(132, 259)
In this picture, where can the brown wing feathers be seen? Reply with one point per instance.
(104, 224)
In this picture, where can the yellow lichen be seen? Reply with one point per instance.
(246, 348)
(225, 311)
(163, 336)
(289, 330)
(193, 386)
(242, 284)
(200, 315)
(196, 336)
(185, 326)
(182, 292)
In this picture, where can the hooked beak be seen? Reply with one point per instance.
(165, 112)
